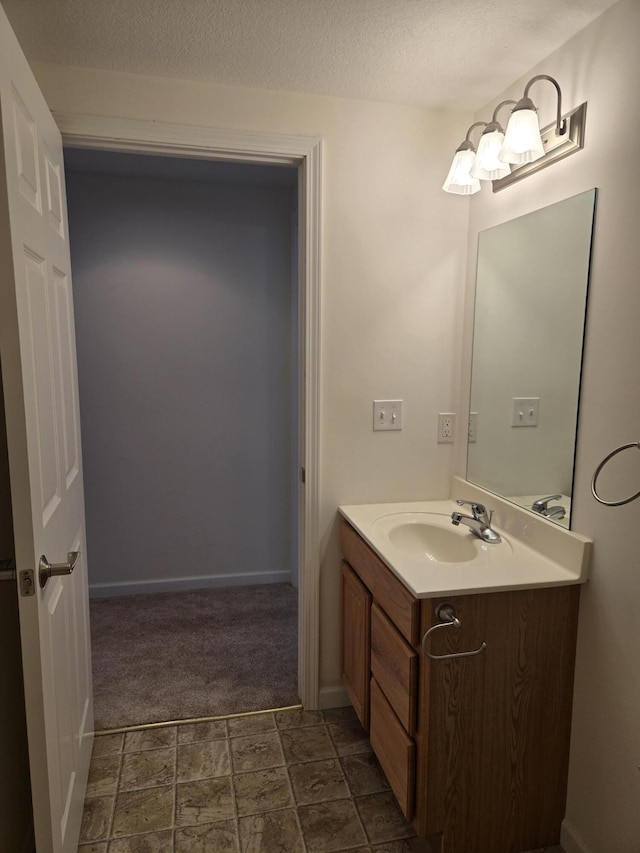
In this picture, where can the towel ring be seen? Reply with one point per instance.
(447, 614)
(601, 466)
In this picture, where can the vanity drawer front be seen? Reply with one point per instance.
(399, 604)
(394, 665)
(395, 750)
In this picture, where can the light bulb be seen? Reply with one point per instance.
(522, 140)
(459, 180)
(487, 165)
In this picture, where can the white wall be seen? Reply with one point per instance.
(602, 66)
(392, 275)
(182, 293)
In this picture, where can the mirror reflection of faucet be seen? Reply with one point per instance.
(542, 506)
(479, 522)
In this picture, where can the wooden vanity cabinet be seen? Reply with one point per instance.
(476, 748)
(356, 645)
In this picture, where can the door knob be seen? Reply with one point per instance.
(49, 570)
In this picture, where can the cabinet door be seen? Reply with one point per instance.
(356, 642)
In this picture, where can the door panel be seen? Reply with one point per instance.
(40, 403)
(65, 371)
(38, 356)
(26, 160)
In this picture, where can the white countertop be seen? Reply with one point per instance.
(512, 564)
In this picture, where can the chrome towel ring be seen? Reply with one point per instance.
(448, 619)
(601, 466)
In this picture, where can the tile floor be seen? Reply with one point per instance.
(283, 782)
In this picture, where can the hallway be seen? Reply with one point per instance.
(187, 654)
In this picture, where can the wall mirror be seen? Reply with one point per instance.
(531, 295)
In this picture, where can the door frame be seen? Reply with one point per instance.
(132, 135)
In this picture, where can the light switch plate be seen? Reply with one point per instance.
(387, 414)
(525, 411)
(473, 427)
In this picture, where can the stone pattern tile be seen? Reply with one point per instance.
(283, 782)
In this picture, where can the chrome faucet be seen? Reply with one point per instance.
(555, 512)
(542, 506)
(479, 522)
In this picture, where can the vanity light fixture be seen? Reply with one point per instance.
(523, 141)
(460, 180)
(487, 164)
(506, 157)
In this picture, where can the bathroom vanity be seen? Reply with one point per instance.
(475, 747)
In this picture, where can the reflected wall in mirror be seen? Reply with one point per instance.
(531, 296)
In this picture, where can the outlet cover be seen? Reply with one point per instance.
(387, 414)
(446, 428)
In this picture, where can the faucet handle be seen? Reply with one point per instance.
(542, 504)
(479, 511)
(472, 504)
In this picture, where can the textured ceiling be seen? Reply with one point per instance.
(437, 53)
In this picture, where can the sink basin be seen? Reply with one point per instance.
(421, 539)
(429, 536)
(433, 558)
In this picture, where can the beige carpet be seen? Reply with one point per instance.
(173, 656)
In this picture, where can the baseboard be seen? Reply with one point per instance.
(570, 840)
(107, 590)
(333, 697)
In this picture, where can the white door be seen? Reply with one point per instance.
(38, 356)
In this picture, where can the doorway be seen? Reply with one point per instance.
(306, 154)
(186, 328)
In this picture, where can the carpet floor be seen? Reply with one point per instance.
(200, 653)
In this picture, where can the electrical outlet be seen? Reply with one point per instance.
(446, 428)
(473, 427)
(387, 414)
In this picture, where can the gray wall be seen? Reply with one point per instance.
(15, 798)
(183, 302)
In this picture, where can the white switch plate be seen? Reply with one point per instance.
(387, 414)
(473, 427)
(525, 411)
(446, 428)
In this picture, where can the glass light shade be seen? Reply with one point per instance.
(487, 165)
(522, 140)
(459, 179)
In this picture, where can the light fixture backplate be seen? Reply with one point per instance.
(555, 147)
